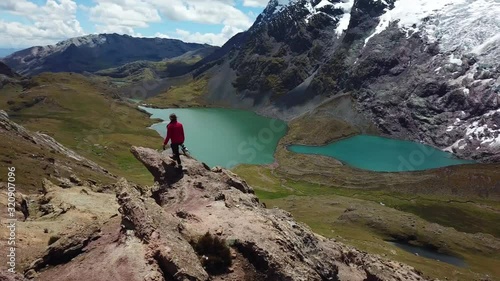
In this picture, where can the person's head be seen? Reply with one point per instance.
(173, 117)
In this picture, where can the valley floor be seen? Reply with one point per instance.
(449, 210)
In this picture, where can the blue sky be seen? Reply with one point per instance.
(25, 23)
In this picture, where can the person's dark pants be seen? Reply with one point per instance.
(175, 151)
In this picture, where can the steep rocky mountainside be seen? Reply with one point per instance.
(7, 75)
(426, 71)
(97, 52)
(6, 71)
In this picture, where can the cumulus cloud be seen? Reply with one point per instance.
(122, 16)
(201, 11)
(216, 39)
(56, 20)
(16, 6)
(255, 3)
(161, 35)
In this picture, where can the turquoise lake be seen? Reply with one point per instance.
(224, 137)
(383, 154)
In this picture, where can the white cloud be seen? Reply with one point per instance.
(16, 6)
(161, 35)
(122, 16)
(255, 3)
(209, 38)
(200, 11)
(56, 20)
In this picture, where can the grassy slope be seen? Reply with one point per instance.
(145, 70)
(463, 197)
(82, 115)
(186, 95)
(468, 181)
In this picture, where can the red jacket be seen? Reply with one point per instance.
(175, 132)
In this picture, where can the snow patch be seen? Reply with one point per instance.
(343, 24)
(323, 3)
(454, 60)
(460, 26)
(410, 13)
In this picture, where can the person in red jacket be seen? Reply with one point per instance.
(175, 134)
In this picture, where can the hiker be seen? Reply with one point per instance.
(175, 134)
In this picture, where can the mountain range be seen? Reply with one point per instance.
(423, 71)
(92, 53)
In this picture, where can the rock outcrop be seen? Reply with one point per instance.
(9, 276)
(152, 240)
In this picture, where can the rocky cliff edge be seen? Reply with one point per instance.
(152, 238)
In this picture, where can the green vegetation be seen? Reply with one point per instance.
(214, 254)
(379, 215)
(87, 117)
(185, 95)
(364, 208)
(147, 70)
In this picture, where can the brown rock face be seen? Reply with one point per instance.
(9, 276)
(152, 239)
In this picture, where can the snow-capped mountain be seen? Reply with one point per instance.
(467, 35)
(96, 52)
(423, 70)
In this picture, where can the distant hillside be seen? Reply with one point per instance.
(150, 70)
(7, 51)
(8, 76)
(92, 53)
(5, 70)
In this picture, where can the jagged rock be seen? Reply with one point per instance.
(22, 205)
(46, 209)
(74, 179)
(31, 274)
(66, 248)
(65, 207)
(48, 186)
(152, 240)
(160, 166)
(9, 276)
(234, 181)
(65, 183)
(270, 239)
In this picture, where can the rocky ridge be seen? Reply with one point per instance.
(7, 75)
(96, 52)
(150, 239)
